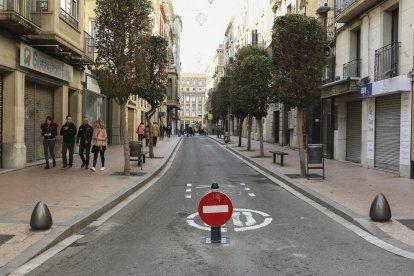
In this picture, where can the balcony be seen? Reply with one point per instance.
(89, 46)
(69, 18)
(387, 61)
(346, 10)
(352, 69)
(21, 16)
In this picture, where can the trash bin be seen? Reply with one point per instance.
(135, 148)
(315, 159)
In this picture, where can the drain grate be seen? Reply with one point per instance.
(5, 238)
(131, 174)
(409, 223)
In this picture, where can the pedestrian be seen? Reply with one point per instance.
(84, 140)
(49, 133)
(99, 144)
(162, 132)
(147, 135)
(168, 131)
(141, 131)
(68, 132)
(155, 133)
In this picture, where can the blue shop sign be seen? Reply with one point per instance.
(366, 90)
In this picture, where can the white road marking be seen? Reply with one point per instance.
(249, 219)
(243, 184)
(236, 219)
(209, 186)
(358, 231)
(36, 262)
(189, 185)
(188, 190)
(187, 196)
(252, 194)
(216, 209)
(299, 255)
(266, 222)
(247, 189)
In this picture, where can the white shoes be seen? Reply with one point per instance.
(93, 169)
(103, 168)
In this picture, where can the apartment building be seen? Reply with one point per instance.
(367, 108)
(44, 51)
(193, 100)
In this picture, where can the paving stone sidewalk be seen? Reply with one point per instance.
(71, 195)
(347, 184)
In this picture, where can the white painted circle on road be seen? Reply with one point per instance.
(242, 220)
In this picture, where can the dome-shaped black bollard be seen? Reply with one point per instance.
(380, 209)
(41, 218)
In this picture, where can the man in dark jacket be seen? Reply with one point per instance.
(84, 139)
(68, 131)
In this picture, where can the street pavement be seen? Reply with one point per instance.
(74, 197)
(272, 232)
(348, 188)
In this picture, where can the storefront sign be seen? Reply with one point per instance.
(40, 62)
(405, 137)
(366, 90)
(92, 84)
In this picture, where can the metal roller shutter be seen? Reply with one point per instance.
(353, 132)
(1, 120)
(38, 105)
(387, 132)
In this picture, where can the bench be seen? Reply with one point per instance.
(281, 154)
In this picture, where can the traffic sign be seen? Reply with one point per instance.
(215, 209)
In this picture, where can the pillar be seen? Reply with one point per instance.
(61, 104)
(14, 149)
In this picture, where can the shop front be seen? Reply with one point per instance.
(94, 103)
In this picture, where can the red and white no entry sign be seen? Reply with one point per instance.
(215, 209)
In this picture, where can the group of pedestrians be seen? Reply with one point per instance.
(158, 132)
(88, 138)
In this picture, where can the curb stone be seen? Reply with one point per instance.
(60, 233)
(363, 222)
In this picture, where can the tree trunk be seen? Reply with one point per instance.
(260, 121)
(241, 119)
(148, 117)
(124, 138)
(299, 121)
(249, 132)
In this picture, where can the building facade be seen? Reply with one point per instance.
(367, 118)
(193, 100)
(42, 62)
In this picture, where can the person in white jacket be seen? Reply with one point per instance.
(99, 144)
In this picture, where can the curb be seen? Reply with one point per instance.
(62, 232)
(362, 222)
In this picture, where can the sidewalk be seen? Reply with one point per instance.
(348, 190)
(74, 196)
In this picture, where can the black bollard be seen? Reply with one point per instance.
(380, 209)
(41, 218)
(215, 231)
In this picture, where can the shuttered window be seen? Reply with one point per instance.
(387, 132)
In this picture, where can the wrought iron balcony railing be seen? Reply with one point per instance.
(29, 9)
(343, 5)
(89, 46)
(387, 61)
(352, 69)
(69, 18)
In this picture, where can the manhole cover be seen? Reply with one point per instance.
(5, 238)
(131, 174)
(407, 222)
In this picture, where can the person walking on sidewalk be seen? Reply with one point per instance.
(147, 135)
(49, 133)
(68, 131)
(99, 144)
(84, 140)
(141, 131)
(155, 133)
(168, 130)
(162, 132)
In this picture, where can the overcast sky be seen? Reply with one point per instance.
(198, 43)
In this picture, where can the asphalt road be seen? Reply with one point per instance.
(151, 236)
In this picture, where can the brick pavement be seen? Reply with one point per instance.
(69, 194)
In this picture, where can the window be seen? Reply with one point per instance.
(193, 114)
(188, 99)
(92, 28)
(69, 11)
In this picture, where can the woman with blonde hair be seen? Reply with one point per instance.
(99, 144)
